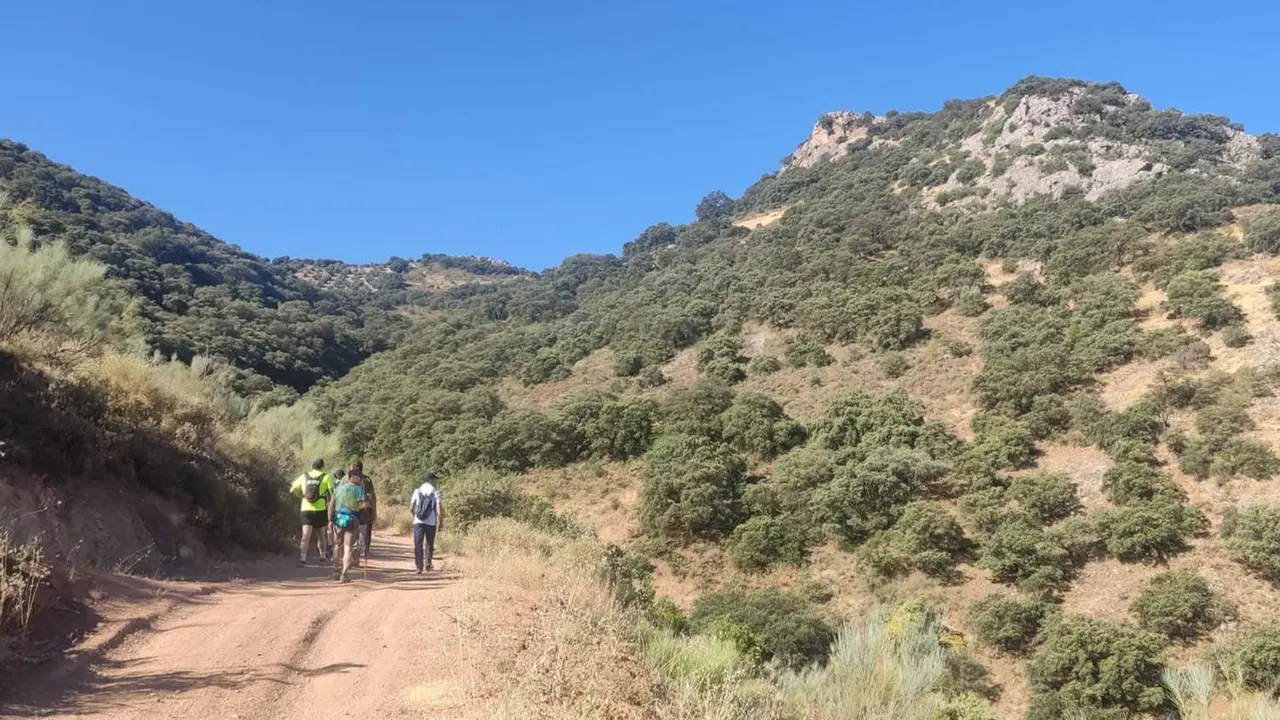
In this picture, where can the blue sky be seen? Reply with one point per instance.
(532, 130)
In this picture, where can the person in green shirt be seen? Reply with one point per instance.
(315, 486)
(344, 516)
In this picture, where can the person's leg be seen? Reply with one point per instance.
(430, 532)
(304, 547)
(337, 556)
(348, 549)
(419, 534)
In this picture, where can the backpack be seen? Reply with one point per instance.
(426, 506)
(311, 487)
(344, 519)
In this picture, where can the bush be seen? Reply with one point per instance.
(1198, 295)
(762, 541)
(695, 409)
(1149, 530)
(1047, 497)
(1257, 659)
(1236, 336)
(600, 425)
(1129, 482)
(691, 488)
(764, 365)
(479, 494)
(1253, 540)
(1179, 605)
(42, 288)
(1262, 235)
(971, 302)
(998, 444)
(893, 365)
(958, 348)
(926, 538)
(868, 497)
(756, 424)
(650, 377)
(1018, 551)
(1008, 622)
(790, 633)
(1244, 457)
(806, 351)
(1085, 663)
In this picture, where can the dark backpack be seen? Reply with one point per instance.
(311, 487)
(425, 506)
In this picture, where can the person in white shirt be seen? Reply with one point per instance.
(428, 519)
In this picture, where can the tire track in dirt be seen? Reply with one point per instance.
(282, 644)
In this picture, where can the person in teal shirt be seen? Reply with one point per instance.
(344, 516)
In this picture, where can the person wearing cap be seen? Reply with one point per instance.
(315, 486)
(428, 519)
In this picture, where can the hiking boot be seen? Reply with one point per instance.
(431, 566)
(344, 579)
(418, 571)
(302, 563)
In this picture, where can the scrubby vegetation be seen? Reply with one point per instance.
(699, 361)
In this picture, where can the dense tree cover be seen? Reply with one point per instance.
(193, 294)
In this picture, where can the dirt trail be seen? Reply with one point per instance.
(282, 643)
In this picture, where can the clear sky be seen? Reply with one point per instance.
(530, 130)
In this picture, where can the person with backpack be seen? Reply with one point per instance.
(315, 486)
(344, 518)
(369, 515)
(428, 519)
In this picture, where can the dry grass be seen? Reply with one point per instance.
(595, 371)
(539, 631)
(756, 221)
(603, 495)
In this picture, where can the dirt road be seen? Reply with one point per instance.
(281, 643)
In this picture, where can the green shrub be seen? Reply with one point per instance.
(627, 364)
(695, 409)
(1257, 659)
(650, 377)
(958, 348)
(1047, 497)
(691, 488)
(761, 541)
(998, 444)
(1009, 623)
(1236, 336)
(870, 496)
(1149, 530)
(893, 365)
(805, 351)
(1262, 235)
(926, 537)
(790, 632)
(1244, 457)
(601, 425)
(970, 302)
(1253, 539)
(1179, 605)
(764, 365)
(1085, 663)
(1078, 535)
(756, 424)
(480, 494)
(1019, 552)
(1198, 295)
(629, 576)
(1128, 482)
(1160, 343)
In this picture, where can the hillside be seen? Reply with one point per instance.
(960, 414)
(1011, 358)
(285, 322)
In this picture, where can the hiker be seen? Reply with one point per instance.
(428, 519)
(369, 515)
(344, 518)
(315, 486)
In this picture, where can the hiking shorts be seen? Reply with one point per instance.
(315, 518)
